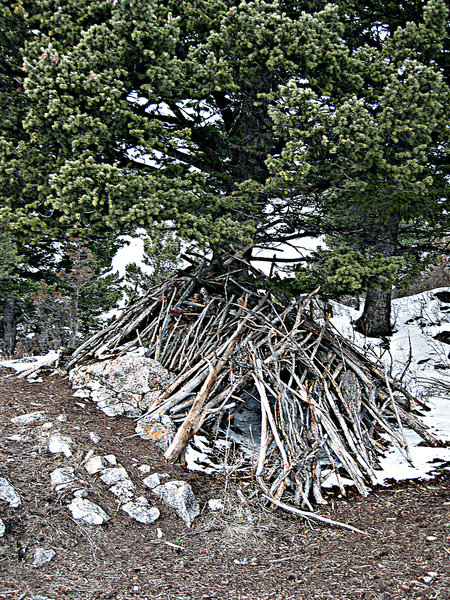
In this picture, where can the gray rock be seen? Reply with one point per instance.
(89, 454)
(179, 496)
(158, 429)
(18, 438)
(127, 385)
(60, 444)
(9, 494)
(28, 418)
(141, 510)
(94, 437)
(144, 468)
(2, 528)
(215, 504)
(154, 480)
(82, 393)
(62, 478)
(123, 489)
(95, 464)
(42, 557)
(88, 512)
(113, 475)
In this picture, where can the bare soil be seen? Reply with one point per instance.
(405, 553)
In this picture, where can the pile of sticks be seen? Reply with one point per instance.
(324, 407)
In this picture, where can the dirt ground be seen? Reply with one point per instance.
(405, 553)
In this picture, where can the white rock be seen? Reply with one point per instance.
(81, 493)
(40, 597)
(95, 464)
(111, 459)
(94, 437)
(28, 418)
(123, 489)
(141, 510)
(32, 379)
(154, 480)
(179, 496)
(2, 528)
(42, 557)
(88, 512)
(144, 468)
(62, 478)
(114, 475)
(18, 438)
(89, 454)
(81, 393)
(9, 494)
(60, 444)
(48, 425)
(215, 504)
(61, 418)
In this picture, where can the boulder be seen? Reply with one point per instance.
(160, 430)
(126, 385)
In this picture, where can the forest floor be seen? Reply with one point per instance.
(405, 553)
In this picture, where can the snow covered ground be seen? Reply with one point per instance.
(423, 363)
(413, 354)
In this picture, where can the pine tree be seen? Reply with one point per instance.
(374, 156)
(232, 123)
(159, 112)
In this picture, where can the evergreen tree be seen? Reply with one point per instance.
(375, 156)
(168, 112)
(27, 222)
(159, 112)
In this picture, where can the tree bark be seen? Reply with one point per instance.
(9, 325)
(375, 320)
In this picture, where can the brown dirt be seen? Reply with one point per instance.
(222, 556)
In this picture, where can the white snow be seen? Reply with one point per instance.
(424, 363)
(30, 362)
(132, 252)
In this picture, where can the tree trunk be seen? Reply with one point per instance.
(375, 320)
(9, 325)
